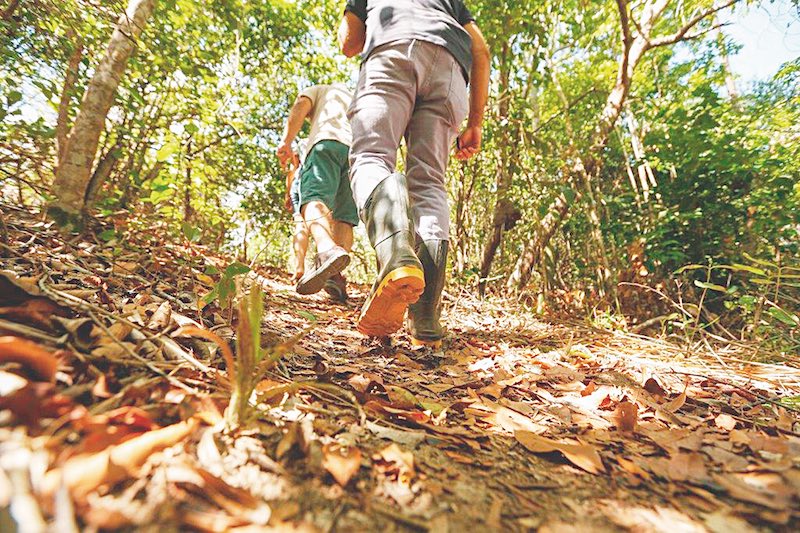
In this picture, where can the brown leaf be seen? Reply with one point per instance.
(30, 355)
(393, 461)
(341, 461)
(406, 361)
(726, 422)
(584, 456)
(765, 489)
(626, 416)
(654, 387)
(34, 312)
(161, 317)
(84, 473)
(674, 404)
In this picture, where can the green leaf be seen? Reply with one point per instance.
(166, 151)
(13, 97)
(191, 232)
(306, 315)
(759, 261)
(711, 286)
(738, 267)
(683, 269)
(779, 314)
(235, 269)
(107, 235)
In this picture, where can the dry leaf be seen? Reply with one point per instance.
(161, 317)
(584, 456)
(84, 473)
(626, 416)
(726, 422)
(341, 461)
(674, 404)
(394, 461)
(30, 355)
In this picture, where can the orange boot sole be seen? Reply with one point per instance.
(429, 344)
(384, 312)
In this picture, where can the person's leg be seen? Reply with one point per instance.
(318, 187)
(378, 116)
(379, 113)
(429, 137)
(299, 247)
(300, 234)
(343, 234)
(318, 218)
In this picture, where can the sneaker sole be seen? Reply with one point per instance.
(384, 312)
(315, 284)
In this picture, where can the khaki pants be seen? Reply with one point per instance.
(416, 90)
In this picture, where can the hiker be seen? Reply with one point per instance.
(300, 234)
(418, 57)
(324, 196)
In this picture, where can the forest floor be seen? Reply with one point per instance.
(111, 418)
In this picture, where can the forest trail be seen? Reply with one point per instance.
(517, 424)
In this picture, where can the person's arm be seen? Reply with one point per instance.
(469, 142)
(300, 110)
(353, 30)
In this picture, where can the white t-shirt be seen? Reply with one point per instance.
(329, 114)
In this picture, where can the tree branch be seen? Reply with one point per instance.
(694, 21)
(622, 7)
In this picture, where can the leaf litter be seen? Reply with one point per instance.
(117, 374)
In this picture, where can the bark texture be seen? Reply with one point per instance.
(74, 172)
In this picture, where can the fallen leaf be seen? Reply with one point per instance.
(394, 461)
(84, 473)
(674, 404)
(654, 387)
(626, 417)
(765, 489)
(724, 421)
(161, 317)
(30, 355)
(584, 456)
(406, 361)
(34, 312)
(341, 461)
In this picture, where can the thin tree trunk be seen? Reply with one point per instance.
(502, 206)
(70, 77)
(9, 10)
(74, 173)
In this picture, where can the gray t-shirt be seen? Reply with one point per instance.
(436, 21)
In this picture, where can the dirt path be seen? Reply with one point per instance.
(517, 424)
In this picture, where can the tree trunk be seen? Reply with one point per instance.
(587, 169)
(70, 77)
(502, 207)
(9, 10)
(74, 173)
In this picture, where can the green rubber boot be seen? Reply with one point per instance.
(424, 315)
(400, 276)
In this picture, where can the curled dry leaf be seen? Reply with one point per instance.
(30, 355)
(626, 416)
(393, 461)
(161, 317)
(84, 473)
(724, 421)
(341, 461)
(584, 456)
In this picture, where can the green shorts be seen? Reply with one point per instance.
(324, 178)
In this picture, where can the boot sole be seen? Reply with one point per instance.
(384, 312)
(315, 284)
(430, 344)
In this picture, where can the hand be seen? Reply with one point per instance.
(468, 143)
(285, 154)
(287, 202)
